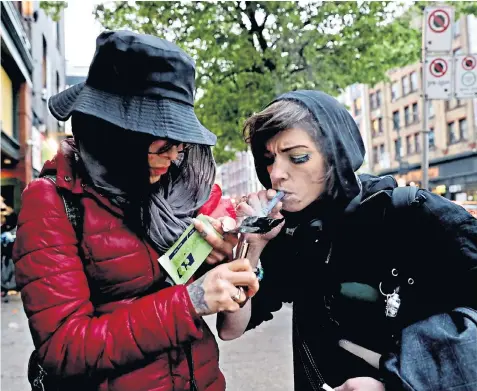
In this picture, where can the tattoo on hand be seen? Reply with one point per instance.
(196, 293)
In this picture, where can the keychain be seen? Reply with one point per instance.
(393, 302)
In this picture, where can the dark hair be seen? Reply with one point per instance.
(280, 116)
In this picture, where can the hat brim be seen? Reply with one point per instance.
(164, 118)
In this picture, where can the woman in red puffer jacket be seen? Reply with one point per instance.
(103, 313)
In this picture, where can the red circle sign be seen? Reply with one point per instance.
(438, 67)
(439, 21)
(468, 63)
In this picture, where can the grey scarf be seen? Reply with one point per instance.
(115, 161)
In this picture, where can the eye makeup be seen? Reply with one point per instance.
(300, 159)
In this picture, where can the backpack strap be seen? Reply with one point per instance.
(403, 196)
(72, 206)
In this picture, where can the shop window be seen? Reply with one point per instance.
(407, 116)
(463, 130)
(432, 139)
(417, 142)
(415, 112)
(452, 133)
(396, 120)
(8, 105)
(406, 89)
(414, 81)
(395, 91)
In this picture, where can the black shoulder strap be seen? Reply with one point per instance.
(73, 208)
(403, 196)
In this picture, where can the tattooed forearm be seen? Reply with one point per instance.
(196, 293)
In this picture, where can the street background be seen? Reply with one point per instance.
(369, 55)
(260, 360)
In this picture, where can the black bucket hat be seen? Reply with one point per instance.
(141, 83)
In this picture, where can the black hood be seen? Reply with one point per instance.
(344, 141)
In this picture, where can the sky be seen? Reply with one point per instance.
(81, 30)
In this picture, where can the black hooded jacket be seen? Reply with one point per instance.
(338, 259)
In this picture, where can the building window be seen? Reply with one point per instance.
(405, 85)
(417, 142)
(357, 106)
(375, 126)
(379, 98)
(381, 152)
(44, 70)
(396, 124)
(395, 91)
(463, 129)
(431, 109)
(380, 126)
(407, 116)
(415, 112)
(432, 139)
(409, 148)
(8, 105)
(451, 104)
(452, 133)
(372, 101)
(58, 35)
(414, 81)
(397, 149)
(375, 154)
(57, 82)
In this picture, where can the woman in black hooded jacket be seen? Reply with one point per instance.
(383, 281)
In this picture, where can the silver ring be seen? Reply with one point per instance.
(237, 296)
(380, 289)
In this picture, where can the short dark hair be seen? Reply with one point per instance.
(279, 116)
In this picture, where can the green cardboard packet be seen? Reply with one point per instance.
(185, 256)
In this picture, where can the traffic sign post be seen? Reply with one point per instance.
(438, 28)
(437, 75)
(465, 76)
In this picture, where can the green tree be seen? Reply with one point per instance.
(249, 52)
(53, 8)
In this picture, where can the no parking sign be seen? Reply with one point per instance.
(438, 77)
(438, 28)
(466, 76)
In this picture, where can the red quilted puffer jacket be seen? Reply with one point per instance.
(106, 316)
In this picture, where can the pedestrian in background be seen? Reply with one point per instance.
(383, 280)
(102, 312)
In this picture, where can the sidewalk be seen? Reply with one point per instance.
(261, 360)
